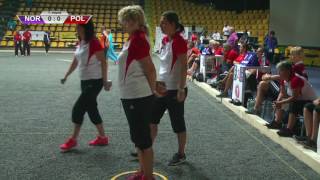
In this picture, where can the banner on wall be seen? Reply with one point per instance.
(35, 35)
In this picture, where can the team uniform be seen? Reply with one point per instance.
(135, 92)
(91, 82)
(170, 73)
(17, 43)
(26, 37)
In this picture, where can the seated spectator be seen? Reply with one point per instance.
(193, 55)
(269, 86)
(244, 38)
(227, 81)
(295, 92)
(233, 38)
(311, 114)
(216, 48)
(229, 56)
(216, 36)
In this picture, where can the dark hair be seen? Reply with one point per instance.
(173, 17)
(272, 33)
(246, 46)
(88, 31)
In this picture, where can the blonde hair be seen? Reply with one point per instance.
(134, 13)
(214, 43)
(296, 51)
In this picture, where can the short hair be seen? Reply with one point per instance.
(134, 13)
(214, 43)
(272, 32)
(296, 51)
(284, 66)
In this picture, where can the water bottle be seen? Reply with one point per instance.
(250, 105)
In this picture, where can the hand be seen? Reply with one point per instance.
(277, 105)
(266, 77)
(316, 102)
(62, 81)
(107, 85)
(161, 89)
(181, 95)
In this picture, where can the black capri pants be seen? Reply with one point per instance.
(175, 108)
(87, 102)
(138, 113)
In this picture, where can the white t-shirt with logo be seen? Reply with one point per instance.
(88, 65)
(133, 82)
(170, 68)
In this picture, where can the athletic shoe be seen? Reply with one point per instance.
(69, 144)
(273, 125)
(285, 132)
(134, 154)
(177, 159)
(99, 141)
(310, 144)
(222, 95)
(135, 176)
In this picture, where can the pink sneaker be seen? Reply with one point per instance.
(69, 144)
(99, 141)
(135, 176)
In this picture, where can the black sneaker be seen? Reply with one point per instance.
(300, 139)
(273, 125)
(222, 95)
(177, 159)
(310, 144)
(285, 132)
(134, 154)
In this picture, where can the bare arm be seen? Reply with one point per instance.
(72, 67)
(183, 74)
(295, 95)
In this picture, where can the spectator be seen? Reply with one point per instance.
(227, 81)
(216, 48)
(193, 55)
(229, 56)
(269, 86)
(311, 114)
(233, 38)
(216, 36)
(226, 31)
(270, 44)
(194, 37)
(295, 92)
(244, 38)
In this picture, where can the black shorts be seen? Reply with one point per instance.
(311, 107)
(175, 109)
(138, 113)
(274, 90)
(297, 106)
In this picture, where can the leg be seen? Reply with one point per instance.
(278, 116)
(315, 128)
(262, 90)
(16, 49)
(228, 83)
(146, 162)
(308, 121)
(176, 113)
(24, 48)
(292, 120)
(28, 49)
(159, 107)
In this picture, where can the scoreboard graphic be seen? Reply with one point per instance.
(54, 17)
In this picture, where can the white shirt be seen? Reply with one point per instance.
(133, 82)
(170, 67)
(226, 30)
(87, 70)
